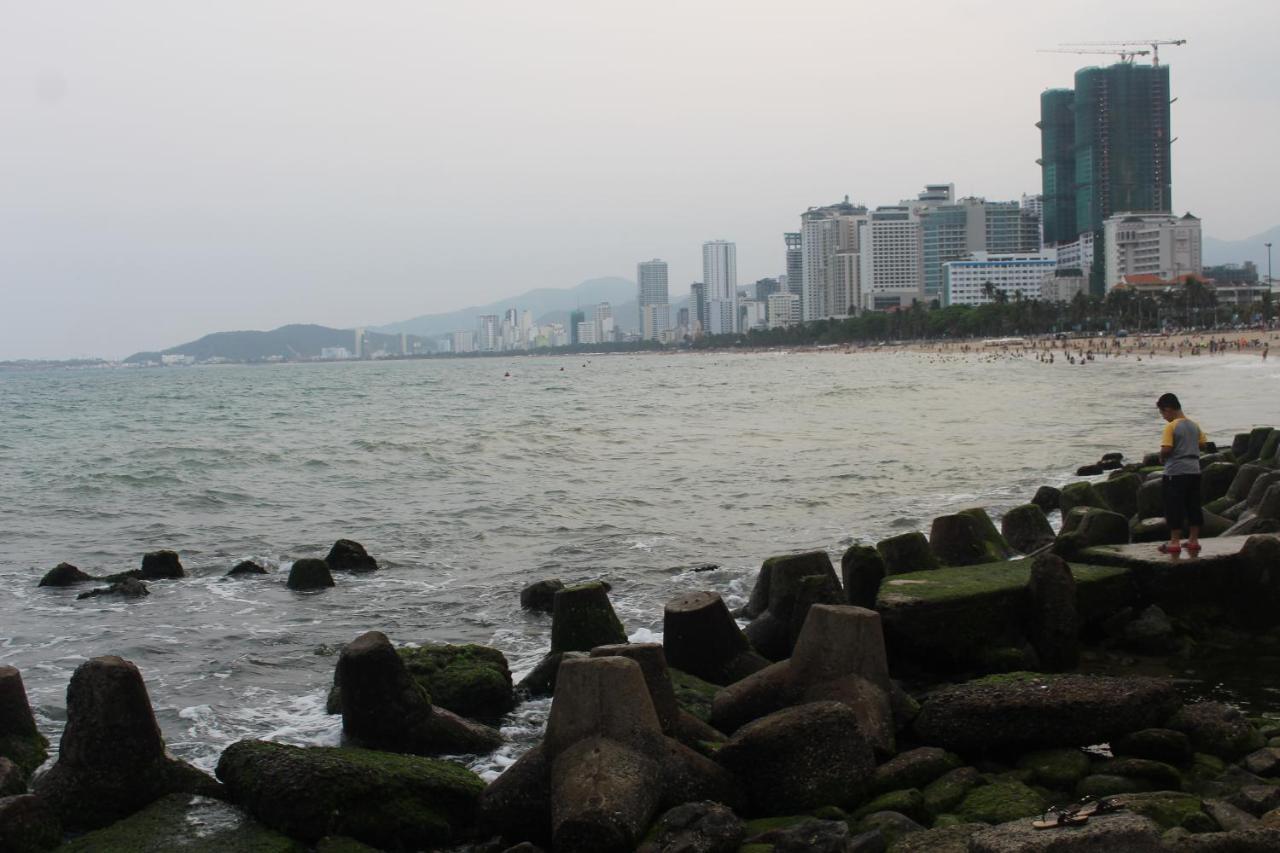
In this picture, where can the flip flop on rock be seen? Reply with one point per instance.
(1091, 806)
(1055, 817)
(1166, 548)
(1192, 549)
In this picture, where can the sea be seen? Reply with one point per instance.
(469, 478)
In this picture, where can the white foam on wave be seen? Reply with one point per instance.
(300, 721)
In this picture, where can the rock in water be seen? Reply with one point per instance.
(540, 596)
(389, 801)
(112, 761)
(1019, 712)
(583, 618)
(1048, 499)
(64, 574)
(861, 571)
(384, 708)
(700, 637)
(125, 588)
(1026, 528)
(1053, 623)
(349, 556)
(20, 740)
(159, 565)
(309, 573)
(246, 567)
(962, 540)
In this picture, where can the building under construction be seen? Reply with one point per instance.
(1105, 148)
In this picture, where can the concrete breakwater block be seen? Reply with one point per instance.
(674, 720)
(20, 740)
(604, 769)
(582, 618)
(840, 656)
(785, 589)
(950, 618)
(1019, 712)
(383, 707)
(700, 637)
(112, 760)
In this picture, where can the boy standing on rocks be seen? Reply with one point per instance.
(1180, 451)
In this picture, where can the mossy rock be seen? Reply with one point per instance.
(1215, 480)
(583, 618)
(945, 820)
(1161, 776)
(1120, 494)
(1080, 493)
(186, 823)
(1000, 802)
(1057, 769)
(693, 694)
(948, 791)
(384, 799)
(470, 680)
(1108, 785)
(909, 802)
(761, 825)
(907, 552)
(1170, 809)
(997, 546)
(27, 750)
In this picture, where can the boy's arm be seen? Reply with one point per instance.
(1166, 441)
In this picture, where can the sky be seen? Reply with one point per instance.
(173, 169)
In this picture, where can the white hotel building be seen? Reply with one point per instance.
(965, 281)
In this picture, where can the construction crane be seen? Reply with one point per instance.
(1154, 44)
(1125, 55)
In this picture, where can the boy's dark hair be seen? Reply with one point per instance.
(1168, 401)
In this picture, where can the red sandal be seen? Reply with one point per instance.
(1166, 548)
(1192, 549)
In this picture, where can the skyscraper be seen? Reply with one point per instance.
(698, 304)
(720, 275)
(575, 317)
(1104, 150)
(651, 285)
(830, 239)
(795, 262)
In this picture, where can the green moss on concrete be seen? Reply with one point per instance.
(693, 694)
(181, 822)
(944, 820)
(381, 798)
(1080, 493)
(1109, 785)
(945, 793)
(470, 680)
(1162, 776)
(1000, 802)
(27, 750)
(1057, 769)
(587, 623)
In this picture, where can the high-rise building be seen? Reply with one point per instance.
(783, 310)
(698, 306)
(720, 275)
(1157, 244)
(487, 332)
(891, 259)
(831, 243)
(682, 318)
(655, 319)
(359, 343)
(764, 288)
(576, 318)
(950, 231)
(651, 285)
(603, 318)
(722, 316)
(795, 262)
(1105, 149)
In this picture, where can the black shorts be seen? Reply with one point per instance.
(1182, 501)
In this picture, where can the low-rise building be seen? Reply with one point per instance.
(1159, 244)
(981, 277)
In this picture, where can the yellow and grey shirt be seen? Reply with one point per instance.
(1186, 439)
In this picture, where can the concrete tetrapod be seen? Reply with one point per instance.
(839, 656)
(785, 589)
(112, 760)
(700, 637)
(20, 740)
(675, 721)
(604, 769)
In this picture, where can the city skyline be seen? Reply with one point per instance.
(155, 192)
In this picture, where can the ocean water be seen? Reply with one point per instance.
(466, 484)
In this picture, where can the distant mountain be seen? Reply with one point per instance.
(543, 303)
(289, 342)
(1254, 249)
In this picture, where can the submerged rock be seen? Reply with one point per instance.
(583, 618)
(64, 574)
(246, 567)
(159, 565)
(540, 596)
(309, 573)
(383, 799)
(125, 588)
(347, 555)
(112, 760)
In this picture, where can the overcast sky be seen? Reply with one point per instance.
(169, 169)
